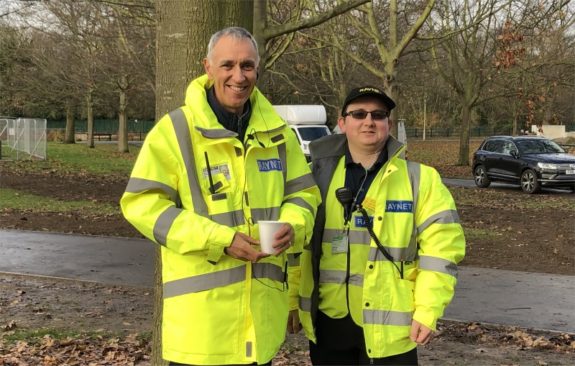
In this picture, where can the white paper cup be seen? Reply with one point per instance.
(268, 230)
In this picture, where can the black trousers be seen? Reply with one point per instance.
(341, 342)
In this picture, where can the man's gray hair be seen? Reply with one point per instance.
(235, 32)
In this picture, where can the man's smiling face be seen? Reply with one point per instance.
(232, 65)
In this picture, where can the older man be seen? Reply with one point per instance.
(207, 173)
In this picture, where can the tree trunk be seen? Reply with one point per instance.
(464, 136)
(70, 135)
(122, 120)
(183, 31)
(258, 27)
(236, 13)
(182, 34)
(90, 119)
(390, 88)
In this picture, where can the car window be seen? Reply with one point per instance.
(508, 147)
(488, 145)
(495, 146)
(313, 133)
(296, 135)
(541, 146)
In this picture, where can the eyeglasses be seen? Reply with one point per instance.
(377, 115)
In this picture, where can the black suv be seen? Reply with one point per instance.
(531, 161)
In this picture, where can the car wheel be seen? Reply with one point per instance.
(481, 178)
(529, 182)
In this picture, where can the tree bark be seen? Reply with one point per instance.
(90, 119)
(122, 118)
(464, 136)
(182, 34)
(70, 133)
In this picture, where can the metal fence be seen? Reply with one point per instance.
(137, 129)
(142, 127)
(450, 132)
(105, 125)
(22, 138)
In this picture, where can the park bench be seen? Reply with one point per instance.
(100, 135)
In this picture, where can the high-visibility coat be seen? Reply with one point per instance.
(193, 186)
(414, 218)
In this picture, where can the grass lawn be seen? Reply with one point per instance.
(104, 159)
(78, 158)
(18, 200)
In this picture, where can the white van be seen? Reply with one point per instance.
(307, 121)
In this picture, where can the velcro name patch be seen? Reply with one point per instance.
(399, 206)
(269, 165)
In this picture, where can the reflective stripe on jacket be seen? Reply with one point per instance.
(427, 251)
(193, 186)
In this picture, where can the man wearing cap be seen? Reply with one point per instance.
(382, 263)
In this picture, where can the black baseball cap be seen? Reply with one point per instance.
(370, 91)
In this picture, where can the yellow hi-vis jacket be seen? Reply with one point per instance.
(193, 186)
(415, 219)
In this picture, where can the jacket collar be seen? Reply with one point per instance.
(335, 146)
(263, 116)
(229, 120)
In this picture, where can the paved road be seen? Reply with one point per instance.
(89, 258)
(531, 300)
(459, 182)
(497, 185)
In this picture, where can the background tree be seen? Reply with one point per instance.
(45, 78)
(128, 30)
(80, 23)
(476, 45)
(314, 71)
(464, 58)
(12, 62)
(303, 16)
(389, 28)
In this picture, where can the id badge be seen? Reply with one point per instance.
(339, 243)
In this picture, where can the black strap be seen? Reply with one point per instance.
(381, 248)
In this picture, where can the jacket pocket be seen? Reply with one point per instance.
(205, 322)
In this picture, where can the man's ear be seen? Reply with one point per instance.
(207, 67)
(341, 124)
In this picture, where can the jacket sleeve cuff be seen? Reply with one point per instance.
(220, 239)
(299, 229)
(426, 318)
